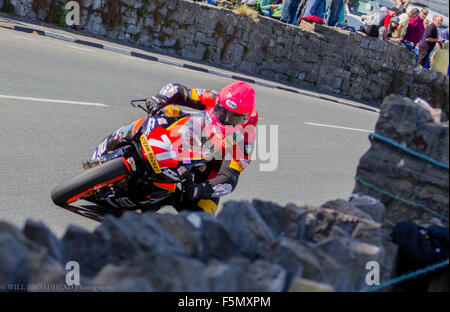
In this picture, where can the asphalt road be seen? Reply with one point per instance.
(42, 142)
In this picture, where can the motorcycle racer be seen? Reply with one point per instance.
(230, 114)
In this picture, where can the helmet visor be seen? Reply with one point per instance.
(227, 117)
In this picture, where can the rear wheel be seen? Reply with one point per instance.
(90, 180)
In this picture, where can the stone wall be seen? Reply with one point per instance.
(257, 246)
(311, 55)
(419, 128)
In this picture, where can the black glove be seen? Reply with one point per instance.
(191, 190)
(195, 191)
(155, 105)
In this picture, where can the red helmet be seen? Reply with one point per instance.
(234, 104)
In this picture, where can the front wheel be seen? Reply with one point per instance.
(90, 180)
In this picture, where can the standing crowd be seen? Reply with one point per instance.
(410, 28)
(293, 11)
(413, 30)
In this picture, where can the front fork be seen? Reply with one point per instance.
(120, 137)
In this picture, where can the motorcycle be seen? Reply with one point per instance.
(164, 154)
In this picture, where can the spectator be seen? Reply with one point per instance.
(415, 29)
(302, 5)
(317, 8)
(334, 11)
(270, 8)
(402, 5)
(426, 22)
(289, 11)
(439, 61)
(429, 39)
(373, 22)
(404, 20)
(341, 15)
(444, 35)
(386, 33)
(394, 11)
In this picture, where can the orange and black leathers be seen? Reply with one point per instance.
(173, 93)
(221, 176)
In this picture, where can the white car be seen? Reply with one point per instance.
(355, 9)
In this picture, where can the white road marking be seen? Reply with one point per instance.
(19, 37)
(12, 97)
(337, 127)
(78, 48)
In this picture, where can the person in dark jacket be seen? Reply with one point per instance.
(429, 39)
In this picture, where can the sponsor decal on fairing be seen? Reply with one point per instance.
(169, 173)
(150, 125)
(150, 154)
(102, 147)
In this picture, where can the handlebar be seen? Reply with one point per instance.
(132, 103)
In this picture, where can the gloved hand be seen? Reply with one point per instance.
(191, 190)
(195, 191)
(155, 105)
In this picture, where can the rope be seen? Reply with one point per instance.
(407, 276)
(401, 199)
(432, 161)
(410, 151)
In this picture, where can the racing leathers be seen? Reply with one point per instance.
(220, 176)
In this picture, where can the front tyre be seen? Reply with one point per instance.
(90, 180)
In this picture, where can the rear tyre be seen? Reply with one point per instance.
(91, 179)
